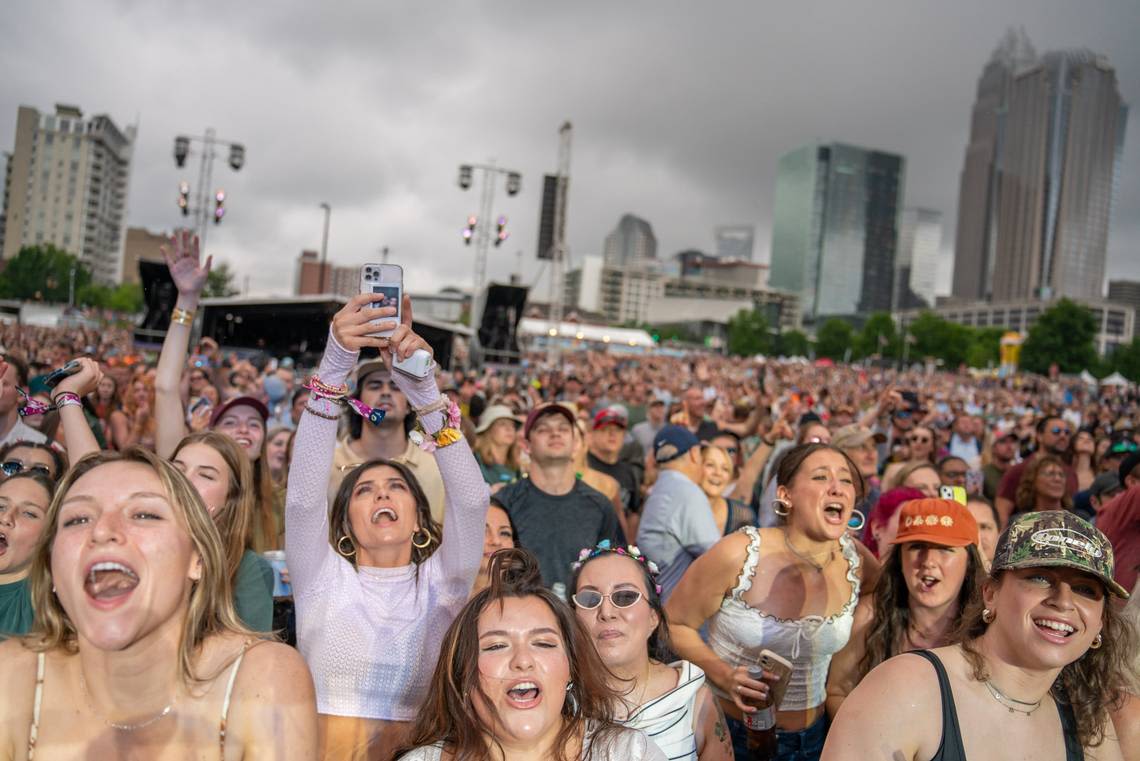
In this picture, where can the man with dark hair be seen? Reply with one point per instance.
(388, 440)
(1003, 449)
(952, 470)
(1053, 436)
(12, 428)
(554, 512)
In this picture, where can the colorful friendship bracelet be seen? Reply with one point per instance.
(445, 436)
(339, 395)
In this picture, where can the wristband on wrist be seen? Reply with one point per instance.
(445, 436)
(182, 316)
(66, 399)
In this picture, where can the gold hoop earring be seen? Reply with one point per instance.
(777, 503)
(1096, 643)
(427, 541)
(988, 616)
(340, 547)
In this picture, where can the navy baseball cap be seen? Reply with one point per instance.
(671, 442)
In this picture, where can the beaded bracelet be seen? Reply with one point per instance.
(66, 399)
(339, 395)
(325, 391)
(318, 413)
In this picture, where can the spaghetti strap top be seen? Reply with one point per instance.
(951, 749)
(34, 730)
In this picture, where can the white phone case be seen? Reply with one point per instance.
(386, 279)
(419, 365)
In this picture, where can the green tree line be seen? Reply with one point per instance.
(1064, 334)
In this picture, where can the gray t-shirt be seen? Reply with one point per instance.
(555, 527)
(677, 526)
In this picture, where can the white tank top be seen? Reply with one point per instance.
(737, 632)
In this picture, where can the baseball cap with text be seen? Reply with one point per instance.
(1057, 538)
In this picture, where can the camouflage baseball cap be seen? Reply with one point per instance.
(1056, 538)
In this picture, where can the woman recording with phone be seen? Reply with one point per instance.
(792, 590)
(376, 581)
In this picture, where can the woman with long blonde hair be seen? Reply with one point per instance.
(136, 649)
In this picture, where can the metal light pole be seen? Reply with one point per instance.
(484, 221)
(324, 249)
(209, 142)
(71, 285)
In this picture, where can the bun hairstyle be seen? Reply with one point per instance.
(448, 713)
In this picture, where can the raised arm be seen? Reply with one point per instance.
(189, 274)
(77, 435)
(306, 500)
(467, 493)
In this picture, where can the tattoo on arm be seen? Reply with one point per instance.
(720, 728)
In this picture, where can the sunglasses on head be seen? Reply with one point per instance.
(588, 599)
(12, 467)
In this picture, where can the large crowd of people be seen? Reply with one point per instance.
(215, 553)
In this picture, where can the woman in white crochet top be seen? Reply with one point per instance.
(376, 581)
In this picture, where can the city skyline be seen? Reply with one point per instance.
(373, 110)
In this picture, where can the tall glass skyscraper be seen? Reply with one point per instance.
(835, 228)
(1036, 187)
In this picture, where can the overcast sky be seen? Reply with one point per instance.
(680, 111)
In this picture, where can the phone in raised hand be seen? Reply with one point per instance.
(386, 281)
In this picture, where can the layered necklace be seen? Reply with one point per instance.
(1013, 704)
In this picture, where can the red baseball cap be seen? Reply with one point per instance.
(238, 401)
(611, 416)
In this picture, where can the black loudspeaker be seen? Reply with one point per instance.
(496, 335)
(159, 296)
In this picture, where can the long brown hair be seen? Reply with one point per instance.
(1093, 685)
(1025, 499)
(340, 527)
(235, 516)
(892, 606)
(211, 609)
(448, 712)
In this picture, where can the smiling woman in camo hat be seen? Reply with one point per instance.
(1045, 644)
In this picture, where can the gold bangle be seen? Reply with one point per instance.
(182, 316)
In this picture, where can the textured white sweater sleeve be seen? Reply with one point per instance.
(306, 502)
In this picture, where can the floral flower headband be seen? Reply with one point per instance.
(604, 547)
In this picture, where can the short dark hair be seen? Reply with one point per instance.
(1043, 423)
(949, 458)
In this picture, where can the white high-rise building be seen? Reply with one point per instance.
(66, 184)
(918, 262)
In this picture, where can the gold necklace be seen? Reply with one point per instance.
(1013, 704)
(122, 727)
(808, 558)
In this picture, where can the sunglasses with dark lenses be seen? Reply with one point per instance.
(731, 450)
(918, 439)
(588, 599)
(12, 467)
(1058, 430)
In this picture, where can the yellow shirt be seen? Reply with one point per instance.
(422, 465)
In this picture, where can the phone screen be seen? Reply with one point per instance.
(389, 296)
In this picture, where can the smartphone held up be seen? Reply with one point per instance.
(387, 282)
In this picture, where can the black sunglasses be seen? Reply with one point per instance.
(12, 467)
(588, 599)
(1058, 430)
